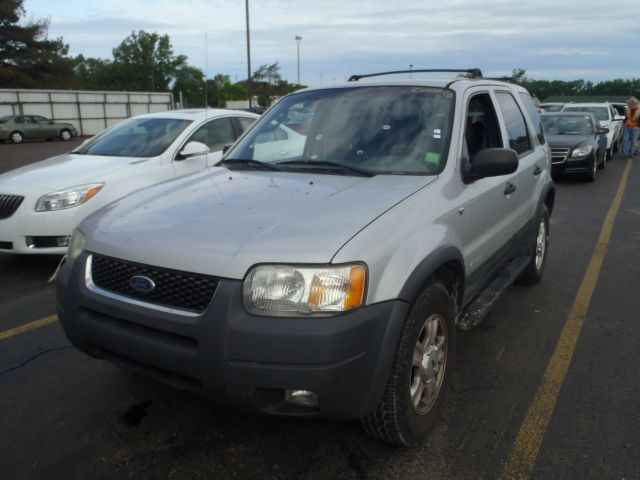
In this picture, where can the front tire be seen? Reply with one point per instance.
(532, 274)
(591, 176)
(420, 372)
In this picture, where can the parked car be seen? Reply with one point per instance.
(578, 143)
(607, 117)
(329, 281)
(42, 203)
(18, 128)
(552, 106)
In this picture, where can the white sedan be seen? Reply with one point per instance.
(42, 203)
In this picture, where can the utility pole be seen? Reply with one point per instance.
(246, 3)
(298, 40)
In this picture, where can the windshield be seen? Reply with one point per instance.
(138, 137)
(562, 125)
(601, 113)
(552, 108)
(365, 130)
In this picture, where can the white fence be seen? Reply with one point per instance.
(90, 112)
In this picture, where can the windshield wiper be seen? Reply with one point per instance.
(248, 163)
(327, 165)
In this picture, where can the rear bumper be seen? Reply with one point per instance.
(239, 359)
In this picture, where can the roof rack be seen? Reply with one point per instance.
(473, 72)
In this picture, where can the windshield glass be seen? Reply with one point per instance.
(599, 112)
(376, 130)
(552, 108)
(561, 125)
(138, 137)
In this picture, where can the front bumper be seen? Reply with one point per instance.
(235, 358)
(17, 231)
(574, 165)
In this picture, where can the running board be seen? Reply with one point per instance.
(471, 316)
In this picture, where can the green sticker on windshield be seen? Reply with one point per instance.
(432, 158)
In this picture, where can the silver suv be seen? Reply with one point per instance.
(322, 267)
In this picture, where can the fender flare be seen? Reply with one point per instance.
(436, 259)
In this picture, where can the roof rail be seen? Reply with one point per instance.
(473, 72)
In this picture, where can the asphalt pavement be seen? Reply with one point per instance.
(65, 415)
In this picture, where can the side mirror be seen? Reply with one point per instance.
(226, 148)
(602, 131)
(493, 162)
(192, 149)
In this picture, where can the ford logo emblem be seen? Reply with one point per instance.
(142, 284)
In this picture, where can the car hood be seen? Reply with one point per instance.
(63, 171)
(568, 141)
(221, 222)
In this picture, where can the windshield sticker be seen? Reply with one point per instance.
(437, 133)
(432, 158)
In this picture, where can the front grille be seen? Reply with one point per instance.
(174, 289)
(559, 155)
(9, 204)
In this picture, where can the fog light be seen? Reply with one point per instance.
(302, 398)
(47, 242)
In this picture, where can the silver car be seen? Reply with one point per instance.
(323, 266)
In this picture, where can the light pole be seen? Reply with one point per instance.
(246, 4)
(298, 40)
(410, 69)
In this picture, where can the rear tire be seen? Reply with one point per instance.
(420, 372)
(65, 135)
(16, 137)
(539, 248)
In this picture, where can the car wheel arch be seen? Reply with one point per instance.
(446, 265)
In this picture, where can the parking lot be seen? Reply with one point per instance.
(65, 415)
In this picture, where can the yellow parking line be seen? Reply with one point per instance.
(28, 326)
(527, 445)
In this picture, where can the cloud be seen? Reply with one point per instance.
(542, 36)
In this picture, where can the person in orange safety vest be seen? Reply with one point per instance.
(631, 128)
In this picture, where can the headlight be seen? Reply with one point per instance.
(68, 198)
(285, 291)
(76, 245)
(582, 151)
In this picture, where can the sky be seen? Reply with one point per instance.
(591, 40)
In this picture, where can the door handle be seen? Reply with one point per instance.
(509, 189)
(537, 171)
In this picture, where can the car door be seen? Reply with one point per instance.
(215, 134)
(27, 126)
(488, 204)
(528, 141)
(45, 128)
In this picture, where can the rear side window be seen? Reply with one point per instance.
(532, 111)
(245, 123)
(514, 120)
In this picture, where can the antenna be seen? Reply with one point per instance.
(206, 73)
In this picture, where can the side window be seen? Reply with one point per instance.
(514, 120)
(245, 123)
(214, 134)
(481, 130)
(531, 109)
(41, 120)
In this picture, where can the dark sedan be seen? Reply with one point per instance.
(578, 143)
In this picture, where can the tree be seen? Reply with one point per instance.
(267, 84)
(153, 58)
(28, 58)
(189, 81)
